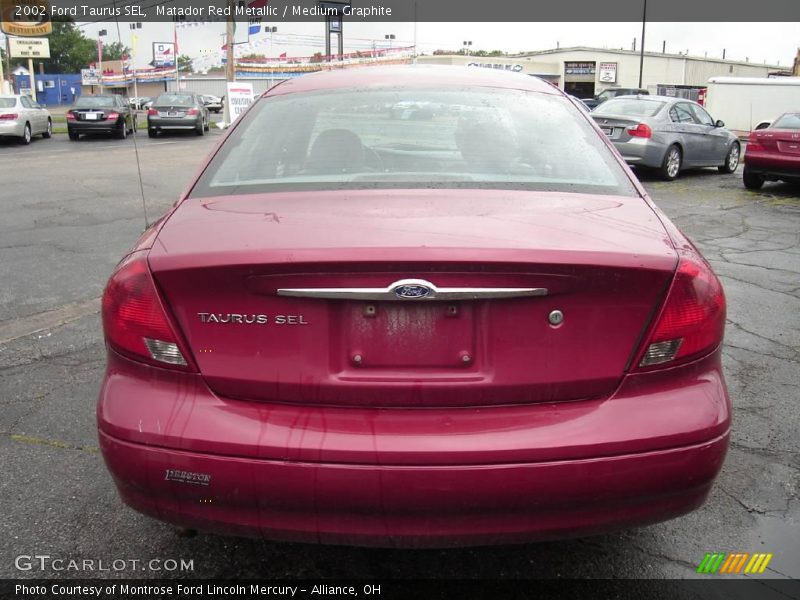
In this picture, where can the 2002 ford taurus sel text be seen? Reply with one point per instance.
(465, 329)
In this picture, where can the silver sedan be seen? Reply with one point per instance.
(22, 117)
(669, 134)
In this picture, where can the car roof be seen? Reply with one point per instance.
(667, 99)
(413, 76)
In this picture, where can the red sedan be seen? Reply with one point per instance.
(773, 153)
(470, 326)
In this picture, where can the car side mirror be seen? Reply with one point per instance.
(719, 123)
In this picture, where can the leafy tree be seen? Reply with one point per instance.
(115, 51)
(70, 50)
(184, 62)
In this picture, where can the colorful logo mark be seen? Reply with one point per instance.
(735, 562)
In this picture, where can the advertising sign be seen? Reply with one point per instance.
(240, 96)
(579, 68)
(163, 54)
(25, 18)
(607, 72)
(90, 76)
(29, 47)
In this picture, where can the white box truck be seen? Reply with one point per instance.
(743, 102)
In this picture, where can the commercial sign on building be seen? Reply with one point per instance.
(90, 76)
(25, 18)
(29, 47)
(163, 54)
(579, 68)
(607, 72)
(504, 67)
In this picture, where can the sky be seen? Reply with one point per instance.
(775, 43)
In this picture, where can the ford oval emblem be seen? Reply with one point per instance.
(412, 291)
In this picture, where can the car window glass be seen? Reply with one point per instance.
(701, 115)
(174, 100)
(382, 138)
(25, 102)
(8, 102)
(788, 121)
(630, 107)
(95, 102)
(681, 113)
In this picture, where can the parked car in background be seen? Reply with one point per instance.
(103, 114)
(177, 111)
(580, 103)
(666, 133)
(610, 93)
(435, 332)
(773, 153)
(139, 103)
(22, 117)
(212, 103)
(763, 124)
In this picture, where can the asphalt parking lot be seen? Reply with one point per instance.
(71, 209)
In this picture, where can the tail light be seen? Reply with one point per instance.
(642, 130)
(70, 115)
(753, 144)
(134, 320)
(9, 117)
(151, 112)
(112, 116)
(193, 111)
(692, 322)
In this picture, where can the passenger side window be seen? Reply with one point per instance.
(701, 115)
(681, 113)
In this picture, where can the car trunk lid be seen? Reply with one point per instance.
(225, 266)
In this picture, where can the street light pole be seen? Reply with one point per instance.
(641, 50)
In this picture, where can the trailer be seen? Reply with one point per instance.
(743, 102)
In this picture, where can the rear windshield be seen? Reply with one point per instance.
(8, 102)
(174, 100)
(629, 107)
(787, 121)
(406, 138)
(95, 102)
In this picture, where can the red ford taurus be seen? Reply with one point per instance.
(469, 325)
(773, 153)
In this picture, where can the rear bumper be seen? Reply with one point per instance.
(393, 477)
(12, 128)
(93, 127)
(642, 151)
(166, 123)
(773, 165)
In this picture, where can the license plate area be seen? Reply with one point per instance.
(789, 147)
(406, 335)
(91, 116)
(608, 131)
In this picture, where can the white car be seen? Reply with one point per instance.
(22, 117)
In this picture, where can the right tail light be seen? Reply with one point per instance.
(692, 321)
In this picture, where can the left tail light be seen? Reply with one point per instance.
(692, 321)
(135, 321)
(70, 115)
(151, 112)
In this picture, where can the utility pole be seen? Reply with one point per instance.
(2, 76)
(230, 69)
(641, 52)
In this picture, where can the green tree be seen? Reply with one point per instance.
(184, 62)
(115, 51)
(70, 50)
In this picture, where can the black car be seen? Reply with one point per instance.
(175, 111)
(106, 114)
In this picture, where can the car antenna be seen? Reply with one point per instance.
(135, 128)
